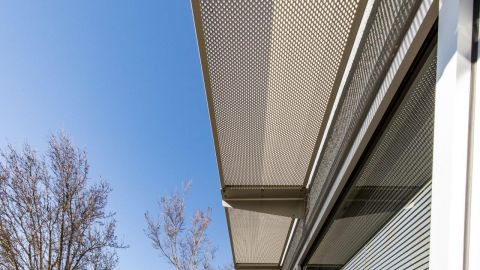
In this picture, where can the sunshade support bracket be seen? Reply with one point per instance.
(288, 202)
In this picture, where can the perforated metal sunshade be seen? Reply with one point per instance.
(267, 232)
(271, 70)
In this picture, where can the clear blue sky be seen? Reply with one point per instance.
(124, 80)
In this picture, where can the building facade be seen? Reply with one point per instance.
(345, 131)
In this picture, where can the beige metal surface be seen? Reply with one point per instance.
(257, 238)
(271, 70)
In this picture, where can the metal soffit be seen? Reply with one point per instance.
(271, 71)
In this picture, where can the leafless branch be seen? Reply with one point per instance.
(50, 218)
(183, 248)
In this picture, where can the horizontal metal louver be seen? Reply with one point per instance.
(403, 243)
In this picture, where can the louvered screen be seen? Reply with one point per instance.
(403, 243)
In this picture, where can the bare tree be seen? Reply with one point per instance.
(49, 217)
(184, 248)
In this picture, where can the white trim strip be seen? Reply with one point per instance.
(294, 226)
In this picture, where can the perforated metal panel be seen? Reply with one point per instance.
(270, 72)
(257, 238)
(398, 166)
(389, 23)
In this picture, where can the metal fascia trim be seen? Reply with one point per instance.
(252, 266)
(260, 193)
(293, 226)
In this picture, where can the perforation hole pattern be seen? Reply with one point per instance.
(381, 44)
(272, 66)
(256, 237)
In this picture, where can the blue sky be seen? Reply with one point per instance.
(124, 80)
